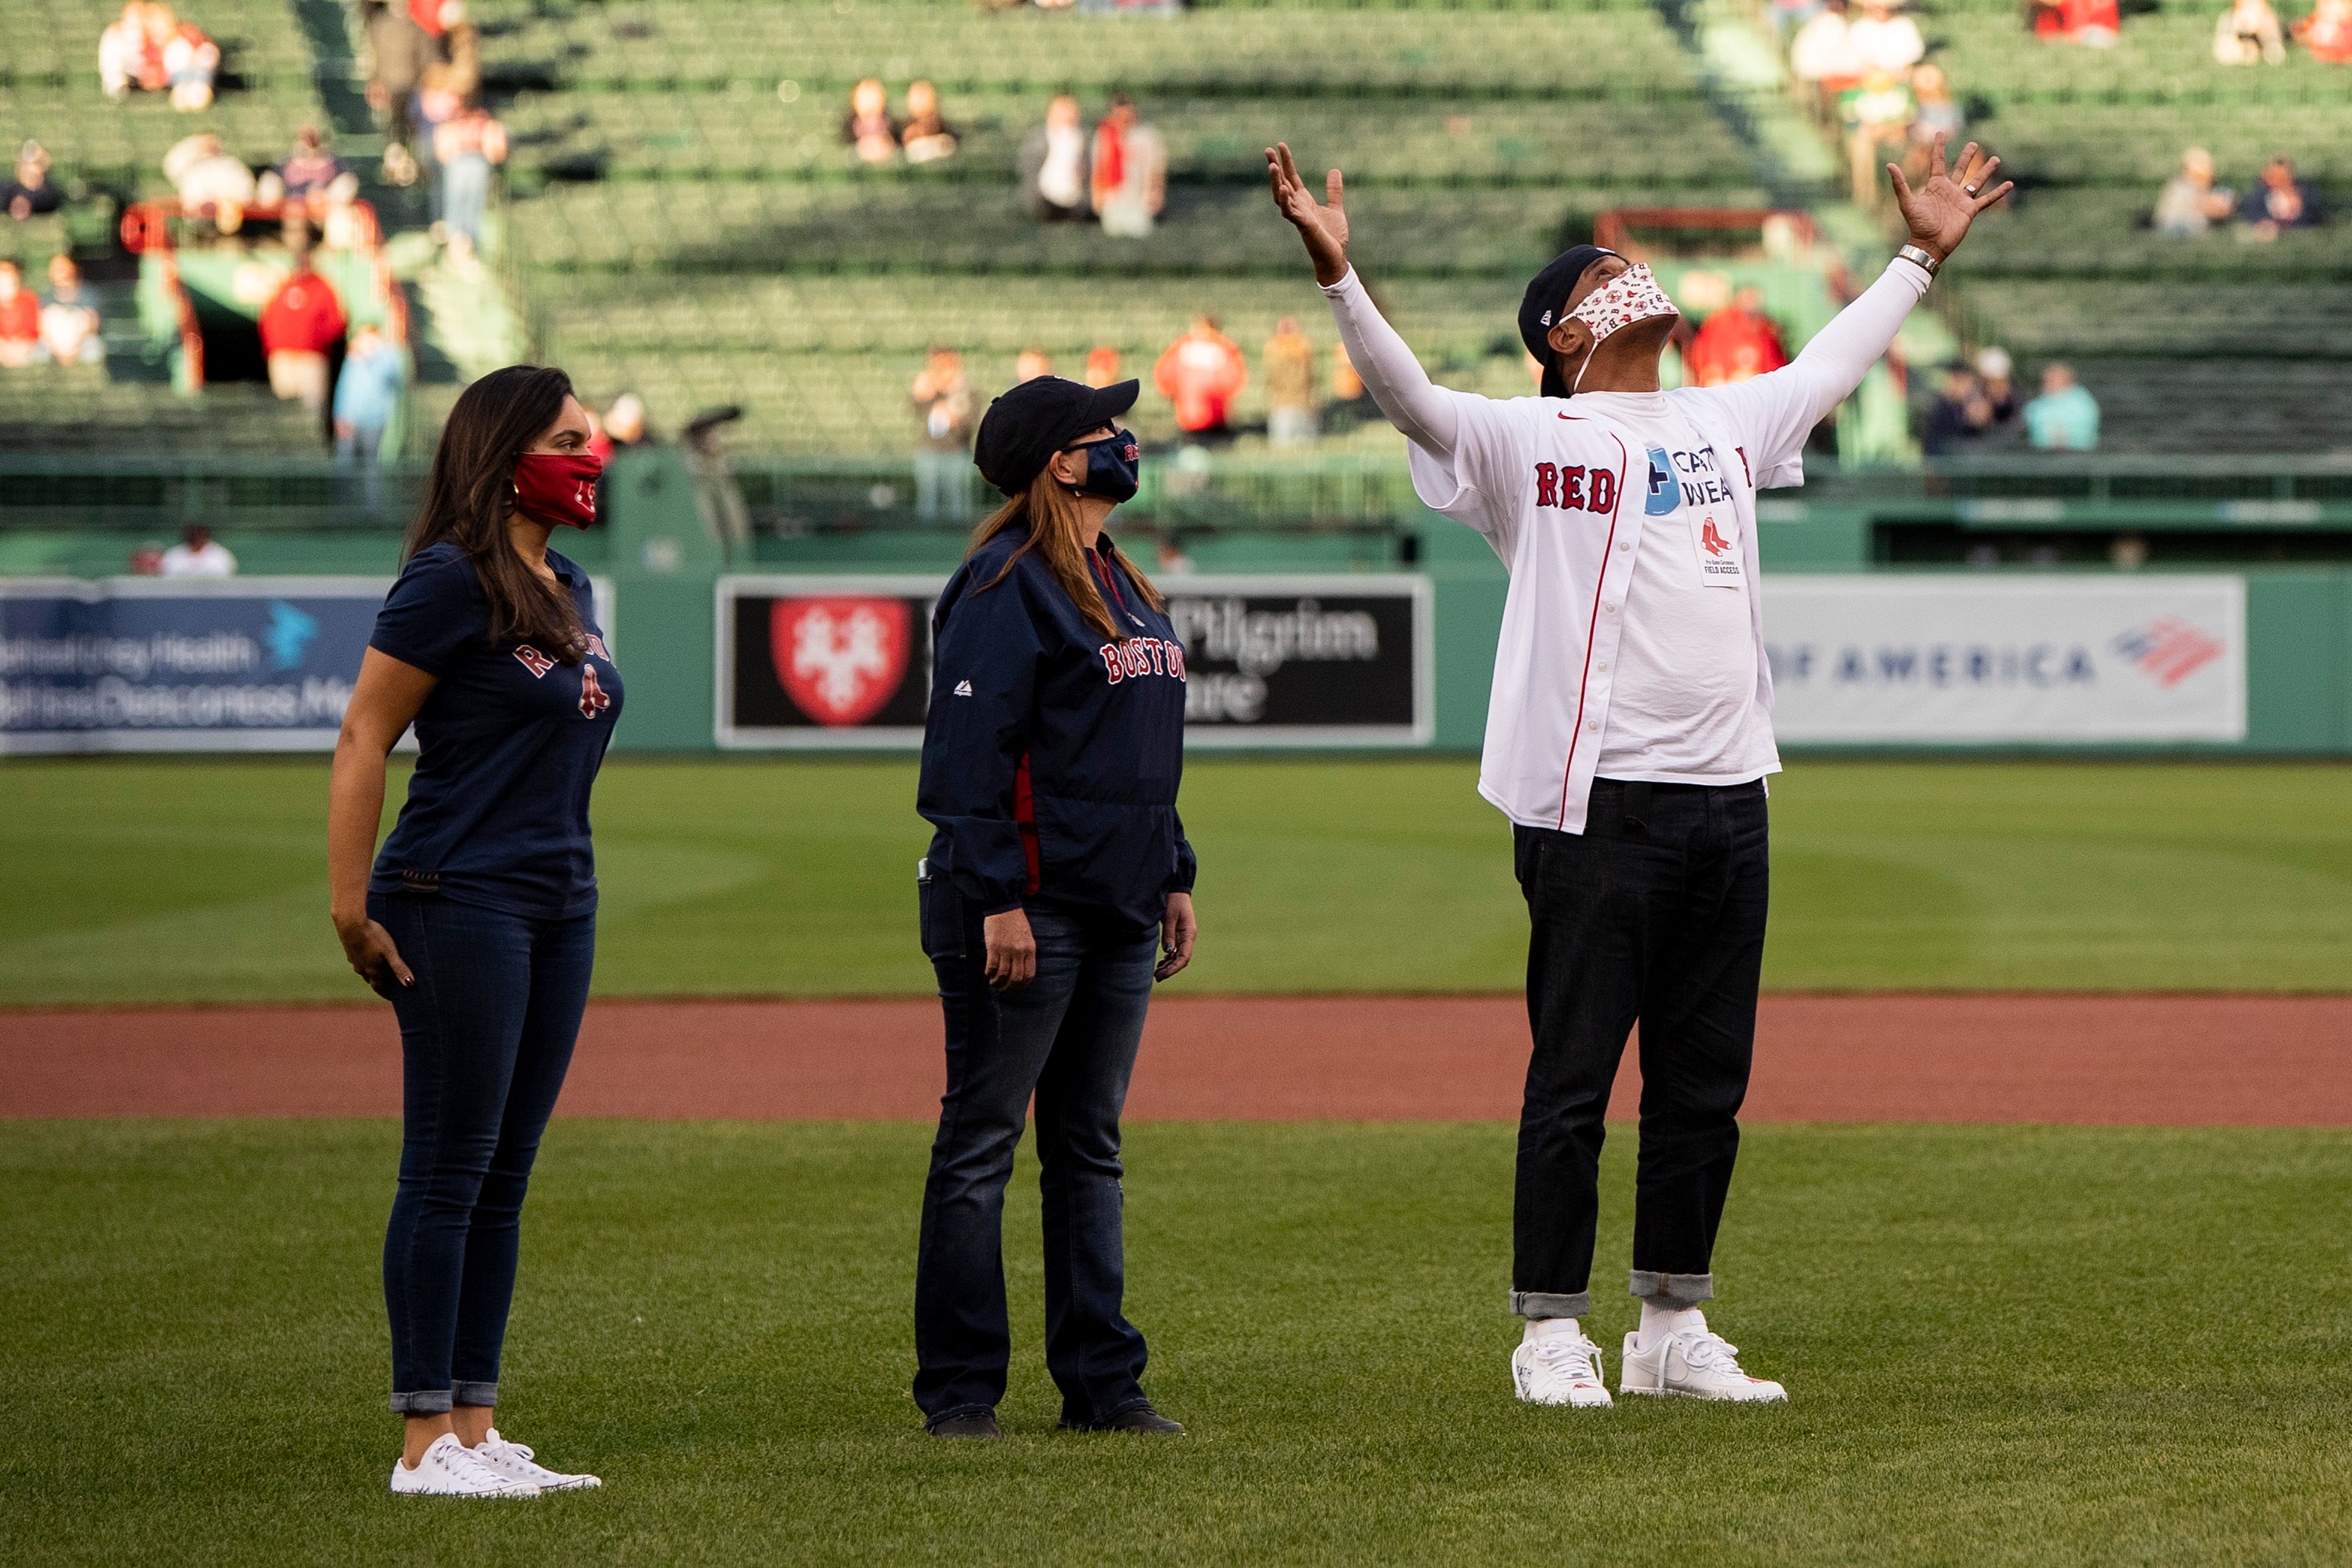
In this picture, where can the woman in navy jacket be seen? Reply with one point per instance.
(1057, 889)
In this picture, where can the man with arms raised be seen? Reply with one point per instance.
(1628, 738)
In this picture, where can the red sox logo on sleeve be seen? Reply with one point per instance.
(1142, 656)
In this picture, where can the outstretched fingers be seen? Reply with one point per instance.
(1333, 191)
(1901, 185)
(1990, 196)
(1935, 156)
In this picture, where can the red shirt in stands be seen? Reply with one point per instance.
(1735, 345)
(20, 318)
(302, 317)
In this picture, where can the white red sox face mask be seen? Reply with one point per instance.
(1631, 296)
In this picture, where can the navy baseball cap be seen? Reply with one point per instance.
(1023, 428)
(1539, 309)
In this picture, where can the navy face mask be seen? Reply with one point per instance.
(1110, 466)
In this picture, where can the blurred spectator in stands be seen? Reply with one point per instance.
(1129, 175)
(1102, 366)
(1788, 17)
(868, 126)
(942, 396)
(367, 395)
(20, 319)
(398, 53)
(2190, 204)
(1936, 114)
(1054, 164)
(130, 51)
(1883, 40)
(1290, 419)
(926, 136)
(1877, 111)
(310, 169)
(2093, 22)
(2065, 418)
(1737, 343)
(70, 323)
(29, 192)
(2279, 201)
(342, 225)
(2248, 32)
(1346, 410)
(210, 182)
(1823, 52)
(146, 560)
(1169, 560)
(468, 145)
(625, 425)
(198, 554)
(301, 325)
(717, 496)
(1032, 364)
(191, 60)
(2328, 32)
(1993, 372)
(1201, 373)
(1961, 411)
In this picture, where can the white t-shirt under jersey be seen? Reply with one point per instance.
(1686, 707)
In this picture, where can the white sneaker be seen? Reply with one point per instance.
(515, 1462)
(450, 1469)
(1560, 1369)
(1697, 1363)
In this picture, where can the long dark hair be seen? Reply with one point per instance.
(471, 494)
(1058, 533)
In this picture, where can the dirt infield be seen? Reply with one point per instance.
(2181, 1060)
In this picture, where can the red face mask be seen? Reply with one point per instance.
(558, 487)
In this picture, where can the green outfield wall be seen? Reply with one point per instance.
(663, 567)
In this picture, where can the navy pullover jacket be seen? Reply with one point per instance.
(1052, 754)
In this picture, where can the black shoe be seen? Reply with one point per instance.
(979, 1423)
(1134, 1418)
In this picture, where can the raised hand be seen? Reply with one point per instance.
(1940, 211)
(1323, 226)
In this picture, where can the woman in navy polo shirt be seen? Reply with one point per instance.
(1057, 888)
(479, 918)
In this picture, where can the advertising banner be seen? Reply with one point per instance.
(147, 663)
(1954, 660)
(834, 662)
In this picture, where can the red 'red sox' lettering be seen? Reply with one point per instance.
(1139, 657)
(537, 663)
(1564, 487)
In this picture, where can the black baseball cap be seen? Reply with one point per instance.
(1023, 428)
(1539, 309)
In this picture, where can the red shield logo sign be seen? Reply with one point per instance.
(839, 660)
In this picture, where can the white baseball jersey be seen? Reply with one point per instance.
(1617, 507)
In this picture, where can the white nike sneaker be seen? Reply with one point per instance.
(515, 1462)
(1696, 1363)
(450, 1469)
(1560, 1369)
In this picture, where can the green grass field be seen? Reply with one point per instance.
(2058, 1346)
(162, 881)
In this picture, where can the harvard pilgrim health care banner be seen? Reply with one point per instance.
(818, 662)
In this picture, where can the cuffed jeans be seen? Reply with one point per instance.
(485, 1034)
(1654, 913)
(1069, 1036)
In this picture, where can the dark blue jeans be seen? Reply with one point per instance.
(485, 1034)
(1069, 1036)
(1655, 913)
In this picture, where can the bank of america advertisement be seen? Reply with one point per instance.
(825, 663)
(147, 664)
(1966, 660)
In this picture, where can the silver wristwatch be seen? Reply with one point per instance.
(1927, 263)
